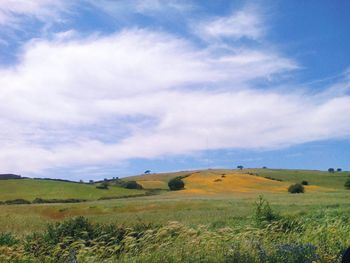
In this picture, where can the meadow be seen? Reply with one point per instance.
(216, 218)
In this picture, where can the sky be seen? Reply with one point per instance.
(94, 89)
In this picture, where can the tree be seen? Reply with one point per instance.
(240, 167)
(339, 170)
(91, 181)
(147, 171)
(176, 184)
(296, 189)
(304, 182)
(132, 185)
(347, 184)
(331, 170)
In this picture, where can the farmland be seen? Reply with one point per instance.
(220, 204)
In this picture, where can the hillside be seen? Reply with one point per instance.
(30, 189)
(215, 181)
(200, 182)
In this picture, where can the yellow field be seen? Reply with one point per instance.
(212, 182)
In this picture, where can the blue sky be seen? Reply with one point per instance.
(93, 89)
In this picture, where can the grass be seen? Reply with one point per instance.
(205, 204)
(30, 189)
(320, 178)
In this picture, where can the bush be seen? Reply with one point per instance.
(17, 202)
(263, 211)
(296, 189)
(52, 201)
(132, 185)
(103, 185)
(75, 228)
(7, 239)
(304, 182)
(176, 184)
(347, 183)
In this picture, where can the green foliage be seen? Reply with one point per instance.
(17, 202)
(132, 185)
(263, 211)
(176, 184)
(318, 238)
(7, 239)
(29, 189)
(104, 185)
(347, 183)
(304, 182)
(296, 189)
(76, 228)
(331, 170)
(52, 201)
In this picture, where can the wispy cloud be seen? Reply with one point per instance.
(145, 80)
(121, 10)
(12, 12)
(246, 23)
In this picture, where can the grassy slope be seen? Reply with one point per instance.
(240, 181)
(30, 189)
(228, 208)
(314, 177)
(157, 181)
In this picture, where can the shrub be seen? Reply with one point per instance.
(304, 182)
(296, 189)
(51, 201)
(347, 183)
(17, 202)
(75, 228)
(263, 211)
(7, 239)
(103, 185)
(176, 184)
(132, 185)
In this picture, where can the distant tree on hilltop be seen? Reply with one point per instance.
(9, 176)
(331, 170)
(240, 167)
(339, 170)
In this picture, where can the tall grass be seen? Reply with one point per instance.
(320, 237)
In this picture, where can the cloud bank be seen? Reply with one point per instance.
(143, 93)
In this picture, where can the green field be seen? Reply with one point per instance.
(224, 210)
(30, 189)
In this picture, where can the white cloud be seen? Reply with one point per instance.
(154, 8)
(141, 93)
(246, 23)
(13, 11)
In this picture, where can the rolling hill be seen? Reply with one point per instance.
(199, 182)
(30, 189)
(224, 181)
